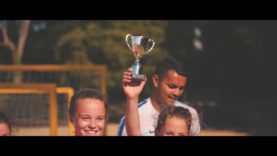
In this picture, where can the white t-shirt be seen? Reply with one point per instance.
(149, 117)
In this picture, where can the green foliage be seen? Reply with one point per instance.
(103, 42)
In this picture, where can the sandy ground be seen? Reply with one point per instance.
(111, 131)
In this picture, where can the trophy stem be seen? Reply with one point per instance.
(137, 70)
(136, 67)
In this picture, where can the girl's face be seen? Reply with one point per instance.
(174, 126)
(90, 117)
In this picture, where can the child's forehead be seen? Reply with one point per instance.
(90, 105)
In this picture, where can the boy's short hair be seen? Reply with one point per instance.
(170, 64)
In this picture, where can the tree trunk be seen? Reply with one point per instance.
(23, 33)
(16, 51)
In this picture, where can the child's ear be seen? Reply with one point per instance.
(155, 79)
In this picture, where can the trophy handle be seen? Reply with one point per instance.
(150, 40)
(126, 38)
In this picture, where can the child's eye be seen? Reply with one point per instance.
(172, 86)
(85, 118)
(100, 118)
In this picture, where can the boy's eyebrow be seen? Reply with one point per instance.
(173, 85)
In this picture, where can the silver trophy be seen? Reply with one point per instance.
(140, 46)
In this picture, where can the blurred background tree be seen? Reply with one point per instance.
(99, 42)
(232, 81)
(15, 40)
(15, 43)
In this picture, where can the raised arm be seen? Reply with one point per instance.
(132, 91)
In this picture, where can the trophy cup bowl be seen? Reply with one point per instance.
(140, 46)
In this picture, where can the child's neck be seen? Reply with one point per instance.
(155, 102)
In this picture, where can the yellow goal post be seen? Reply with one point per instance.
(52, 91)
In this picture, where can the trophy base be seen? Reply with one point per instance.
(138, 77)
